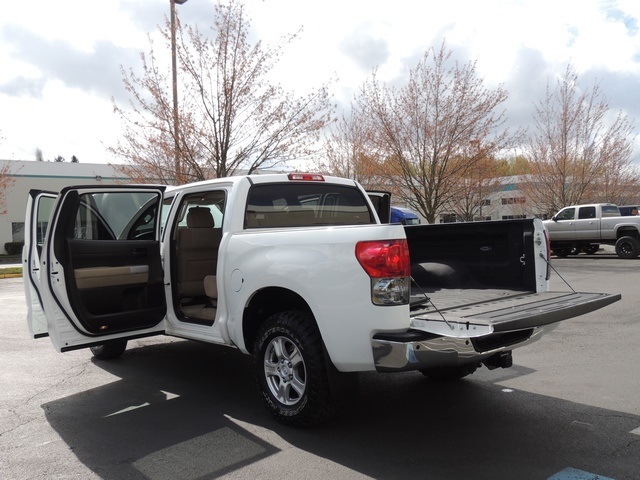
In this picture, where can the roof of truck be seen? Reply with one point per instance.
(270, 178)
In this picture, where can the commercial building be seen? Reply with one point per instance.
(48, 176)
(506, 202)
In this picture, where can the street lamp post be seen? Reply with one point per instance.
(174, 73)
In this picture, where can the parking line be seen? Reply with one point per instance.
(635, 431)
(575, 474)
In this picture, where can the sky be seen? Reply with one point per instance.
(60, 61)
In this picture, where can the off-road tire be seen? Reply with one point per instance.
(562, 252)
(290, 369)
(591, 249)
(109, 350)
(628, 247)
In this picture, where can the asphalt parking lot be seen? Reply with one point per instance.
(568, 409)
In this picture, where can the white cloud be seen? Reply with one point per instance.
(61, 59)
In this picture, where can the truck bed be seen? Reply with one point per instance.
(474, 255)
(476, 279)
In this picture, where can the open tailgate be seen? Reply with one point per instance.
(515, 312)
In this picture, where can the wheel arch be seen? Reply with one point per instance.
(627, 231)
(265, 303)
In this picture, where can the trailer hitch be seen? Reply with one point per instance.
(499, 360)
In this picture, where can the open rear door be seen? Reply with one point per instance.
(38, 213)
(101, 270)
(382, 203)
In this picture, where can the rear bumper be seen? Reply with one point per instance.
(416, 350)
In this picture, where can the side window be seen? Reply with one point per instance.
(587, 212)
(566, 214)
(613, 211)
(116, 216)
(45, 207)
(164, 212)
(206, 208)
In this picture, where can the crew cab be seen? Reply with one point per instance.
(296, 270)
(584, 227)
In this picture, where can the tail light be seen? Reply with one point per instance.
(387, 264)
(307, 177)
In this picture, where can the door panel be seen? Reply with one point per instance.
(115, 285)
(563, 226)
(104, 269)
(587, 226)
(382, 203)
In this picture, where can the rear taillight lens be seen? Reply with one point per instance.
(387, 264)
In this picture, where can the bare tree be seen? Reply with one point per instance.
(481, 181)
(580, 151)
(231, 117)
(347, 153)
(430, 133)
(6, 182)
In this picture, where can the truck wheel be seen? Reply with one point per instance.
(628, 247)
(448, 374)
(109, 350)
(591, 249)
(290, 369)
(561, 252)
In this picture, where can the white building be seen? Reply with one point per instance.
(507, 203)
(48, 176)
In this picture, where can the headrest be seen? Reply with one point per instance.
(200, 217)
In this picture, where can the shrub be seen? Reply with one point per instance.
(13, 248)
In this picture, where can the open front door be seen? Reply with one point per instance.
(38, 213)
(382, 203)
(102, 275)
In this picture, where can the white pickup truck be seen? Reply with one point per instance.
(298, 270)
(584, 227)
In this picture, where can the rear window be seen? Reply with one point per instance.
(610, 211)
(305, 205)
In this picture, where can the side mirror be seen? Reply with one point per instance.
(554, 218)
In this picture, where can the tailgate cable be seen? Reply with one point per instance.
(428, 300)
(557, 273)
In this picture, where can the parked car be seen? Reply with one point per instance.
(404, 216)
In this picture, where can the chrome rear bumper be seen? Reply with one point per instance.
(416, 350)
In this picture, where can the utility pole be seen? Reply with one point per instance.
(174, 73)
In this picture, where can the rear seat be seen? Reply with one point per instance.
(197, 247)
